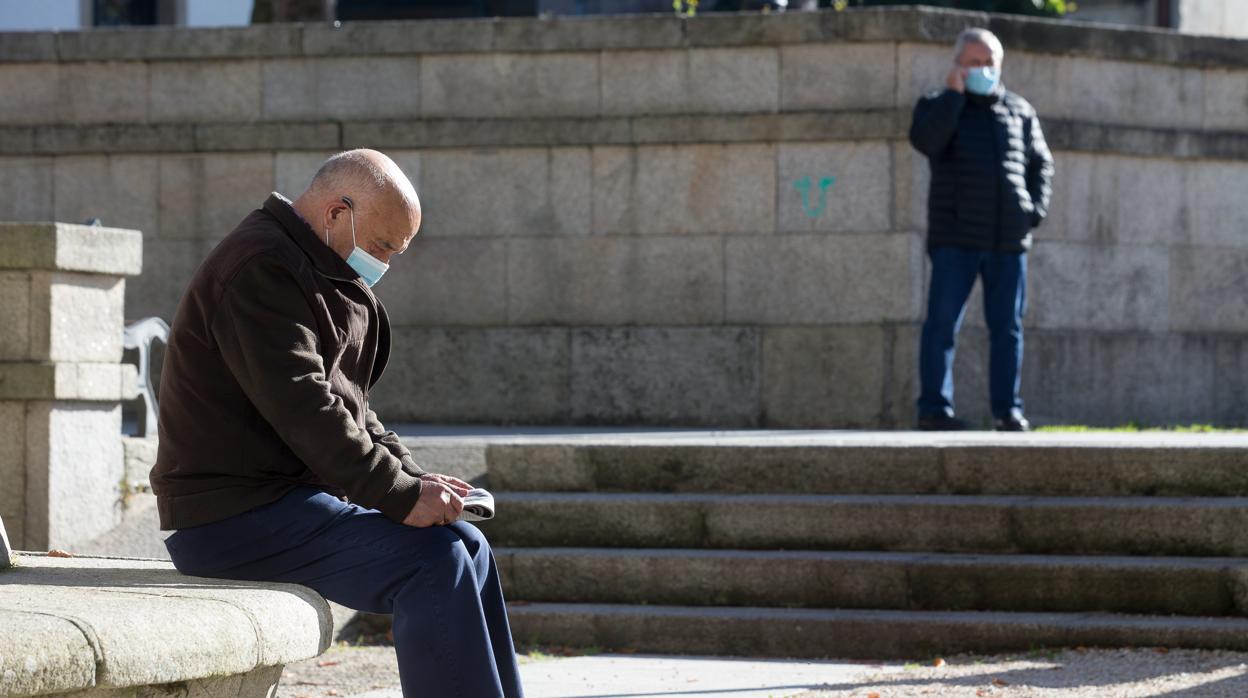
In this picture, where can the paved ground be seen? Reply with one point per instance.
(369, 672)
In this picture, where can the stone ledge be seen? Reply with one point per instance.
(675, 129)
(91, 382)
(108, 623)
(71, 247)
(925, 25)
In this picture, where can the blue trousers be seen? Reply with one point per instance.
(954, 270)
(451, 633)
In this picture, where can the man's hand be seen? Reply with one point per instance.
(956, 80)
(441, 501)
(461, 488)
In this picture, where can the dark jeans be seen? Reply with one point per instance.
(954, 270)
(441, 583)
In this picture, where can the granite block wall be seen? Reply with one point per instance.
(710, 221)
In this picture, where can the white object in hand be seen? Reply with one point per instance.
(478, 505)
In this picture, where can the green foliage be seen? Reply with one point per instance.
(685, 8)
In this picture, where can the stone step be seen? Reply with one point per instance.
(864, 634)
(1186, 527)
(1038, 464)
(902, 581)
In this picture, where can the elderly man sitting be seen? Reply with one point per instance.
(265, 428)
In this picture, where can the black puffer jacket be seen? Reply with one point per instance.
(991, 169)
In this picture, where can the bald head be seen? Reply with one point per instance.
(368, 189)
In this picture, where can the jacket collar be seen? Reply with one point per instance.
(989, 99)
(324, 259)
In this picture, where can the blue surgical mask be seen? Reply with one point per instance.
(982, 81)
(367, 266)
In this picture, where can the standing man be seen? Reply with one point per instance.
(990, 185)
(265, 427)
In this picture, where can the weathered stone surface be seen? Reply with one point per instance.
(1106, 91)
(58, 656)
(572, 33)
(203, 197)
(32, 93)
(666, 375)
(1107, 378)
(77, 317)
(56, 139)
(72, 248)
(517, 191)
(819, 633)
(921, 68)
(823, 376)
(698, 80)
(166, 43)
(153, 626)
(267, 136)
(615, 280)
(1043, 79)
(919, 25)
(140, 456)
(17, 140)
(504, 85)
(441, 281)
(1113, 200)
(15, 316)
(705, 577)
(1206, 286)
(170, 266)
(1226, 98)
(911, 180)
(809, 279)
(205, 91)
(293, 171)
(389, 37)
(120, 190)
(341, 88)
(1098, 287)
(104, 382)
(1215, 200)
(635, 521)
(13, 467)
(74, 468)
(28, 183)
(838, 76)
(1091, 464)
(834, 188)
(448, 375)
(487, 133)
(27, 46)
(103, 92)
(868, 580)
(869, 124)
(684, 189)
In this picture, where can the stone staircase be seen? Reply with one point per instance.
(873, 545)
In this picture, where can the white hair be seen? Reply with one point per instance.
(982, 36)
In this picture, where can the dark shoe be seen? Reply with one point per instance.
(1015, 422)
(941, 422)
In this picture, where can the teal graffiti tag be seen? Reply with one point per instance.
(803, 185)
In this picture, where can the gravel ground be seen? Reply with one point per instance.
(1102, 673)
(347, 670)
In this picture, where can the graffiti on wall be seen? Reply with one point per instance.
(804, 185)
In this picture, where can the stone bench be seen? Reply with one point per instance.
(108, 626)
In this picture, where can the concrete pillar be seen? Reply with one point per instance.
(61, 379)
